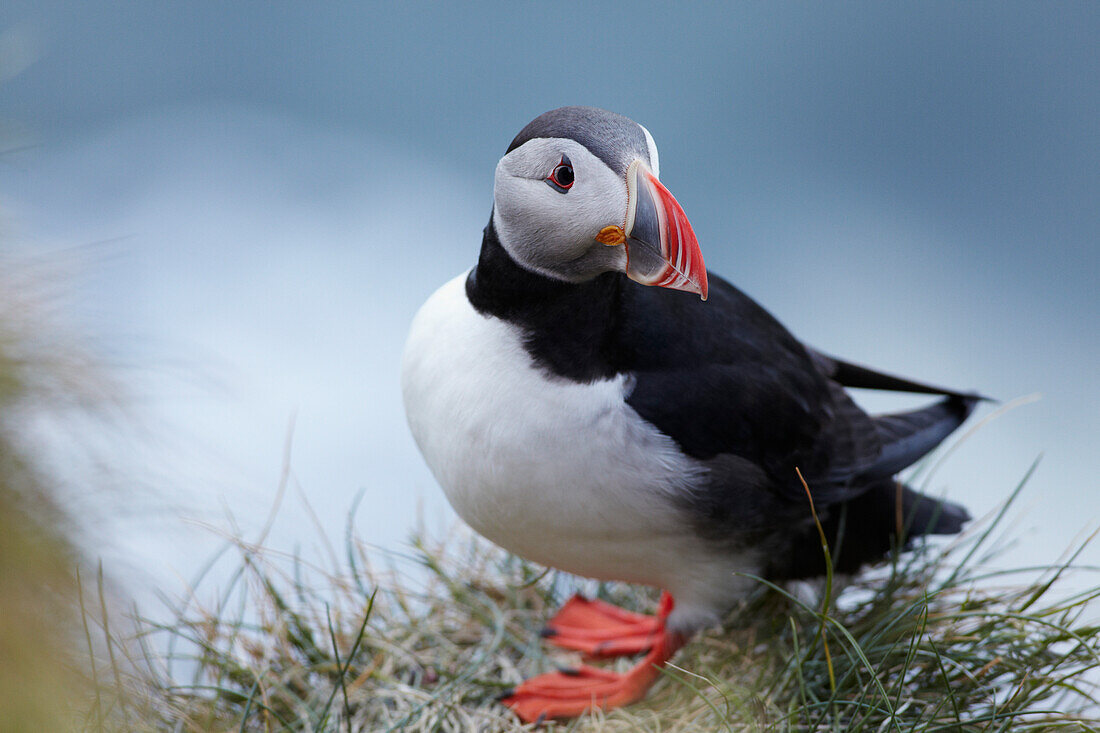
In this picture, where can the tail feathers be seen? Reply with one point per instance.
(855, 375)
(867, 528)
(909, 436)
(927, 515)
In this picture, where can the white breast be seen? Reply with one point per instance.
(562, 473)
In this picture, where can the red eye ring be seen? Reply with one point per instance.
(561, 178)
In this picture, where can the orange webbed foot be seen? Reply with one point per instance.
(569, 693)
(599, 629)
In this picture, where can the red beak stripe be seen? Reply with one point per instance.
(681, 248)
(662, 249)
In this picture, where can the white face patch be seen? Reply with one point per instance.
(551, 232)
(654, 159)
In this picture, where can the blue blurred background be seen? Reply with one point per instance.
(254, 198)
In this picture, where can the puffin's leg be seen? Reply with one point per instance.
(570, 693)
(599, 629)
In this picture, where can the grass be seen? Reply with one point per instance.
(42, 684)
(38, 678)
(928, 642)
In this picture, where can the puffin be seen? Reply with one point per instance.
(590, 398)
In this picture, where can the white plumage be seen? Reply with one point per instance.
(562, 473)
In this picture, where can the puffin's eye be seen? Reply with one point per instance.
(561, 178)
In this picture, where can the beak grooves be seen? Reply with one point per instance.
(662, 249)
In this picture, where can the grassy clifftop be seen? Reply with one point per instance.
(930, 642)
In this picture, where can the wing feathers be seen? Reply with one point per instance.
(860, 377)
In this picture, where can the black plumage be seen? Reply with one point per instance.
(735, 390)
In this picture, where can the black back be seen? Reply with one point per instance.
(720, 377)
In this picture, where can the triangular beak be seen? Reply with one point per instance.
(661, 246)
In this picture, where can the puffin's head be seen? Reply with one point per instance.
(577, 195)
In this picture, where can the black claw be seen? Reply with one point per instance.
(506, 694)
(540, 720)
(548, 631)
(569, 671)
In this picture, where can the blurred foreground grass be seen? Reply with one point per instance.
(44, 682)
(40, 680)
(933, 641)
